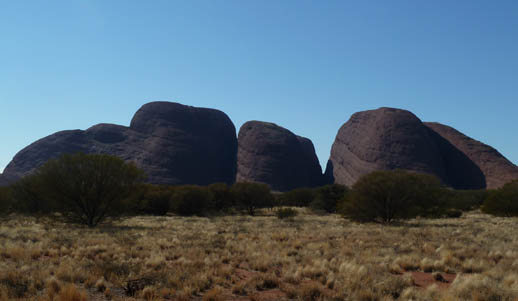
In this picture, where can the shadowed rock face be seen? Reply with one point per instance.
(461, 171)
(315, 175)
(383, 139)
(39, 152)
(5, 180)
(496, 169)
(187, 145)
(173, 143)
(271, 154)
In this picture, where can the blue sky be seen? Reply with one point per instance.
(305, 65)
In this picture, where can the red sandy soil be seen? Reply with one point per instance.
(244, 273)
(423, 280)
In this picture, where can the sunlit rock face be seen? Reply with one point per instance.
(388, 139)
(383, 139)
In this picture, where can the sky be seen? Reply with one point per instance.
(304, 65)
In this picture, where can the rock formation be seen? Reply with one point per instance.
(387, 139)
(383, 139)
(271, 154)
(172, 143)
(178, 144)
(494, 169)
(316, 178)
(5, 180)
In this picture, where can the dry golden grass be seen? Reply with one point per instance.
(308, 258)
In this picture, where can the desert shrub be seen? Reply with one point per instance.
(87, 188)
(251, 196)
(463, 200)
(283, 213)
(452, 203)
(385, 196)
(28, 195)
(6, 200)
(154, 199)
(71, 293)
(469, 199)
(453, 213)
(300, 197)
(191, 200)
(503, 201)
(277, 200)
(327, 197)
(222, 197)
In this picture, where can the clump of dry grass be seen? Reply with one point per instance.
(215, 294)
(239, 289)
(312, 291)
(310, 257)
(15, 283)
(480, 287)
(149, 293)
(53, 288)
(71, 293)
(100, 285)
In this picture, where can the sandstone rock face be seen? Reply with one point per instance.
(39, 152)
(187, 145)
(383, 139)
(173, 143)
(495, 169)
(270, 154)
(178, 144)
(387, 139)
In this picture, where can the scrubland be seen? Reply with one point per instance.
(308, 257)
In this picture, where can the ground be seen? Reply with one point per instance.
(310, 257)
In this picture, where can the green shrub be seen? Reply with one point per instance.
(469, 199)
(441, 206)
(327, 197)
(463, 200)
(29, 195)
(453, 213)
(6, 200)
(154, 199)
(83, 188)
(300, 197)
(191, 200)
(451, 203)
(222, 199)
(252, 196)
(385, 196)
(503, 201)
(283, 213)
